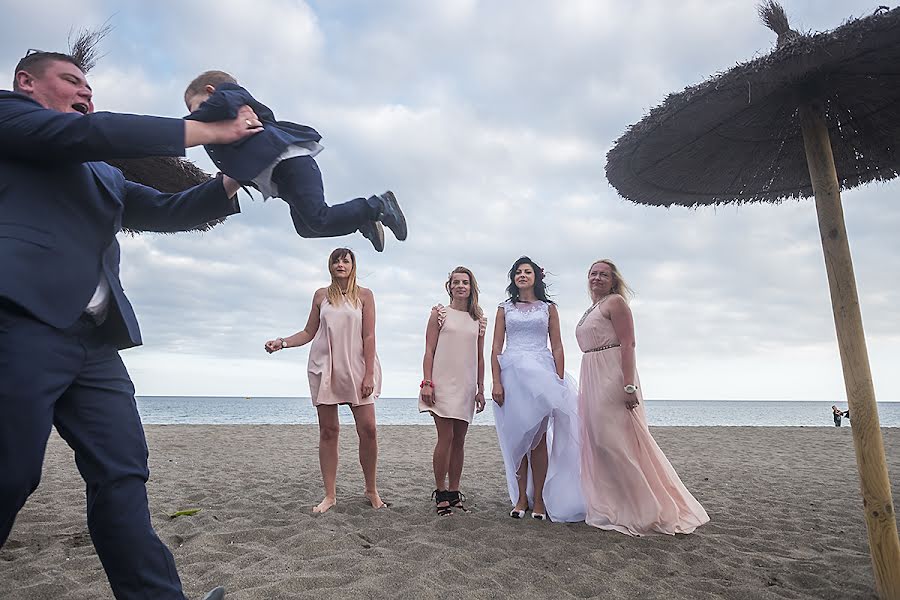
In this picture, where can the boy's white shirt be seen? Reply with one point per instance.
(264, 182)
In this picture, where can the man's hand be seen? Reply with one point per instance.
(198, 133)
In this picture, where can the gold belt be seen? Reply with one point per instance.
(606, 347)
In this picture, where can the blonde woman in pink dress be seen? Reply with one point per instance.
(629, 485)
(452, 389)
(343, 369)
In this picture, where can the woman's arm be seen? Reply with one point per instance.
(307, 333)
(432, 331)
(620, 315)
(556, 345)
(479, 394)
(368, 336)
(496, 350)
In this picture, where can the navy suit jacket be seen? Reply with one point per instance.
(246, 159)
(61, 207)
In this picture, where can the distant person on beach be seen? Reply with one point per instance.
(837, 414)
(452, 388)
(343, 368)
(629, 484)
(535, 417)
(279, 163)
(63, 313)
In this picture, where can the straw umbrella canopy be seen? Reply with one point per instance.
(166, 174)
(819, 114)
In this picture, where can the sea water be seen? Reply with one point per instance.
(404, 411)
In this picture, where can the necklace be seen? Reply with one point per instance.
(593, 306)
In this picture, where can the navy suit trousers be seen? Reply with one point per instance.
(299, 184)
(74, 380)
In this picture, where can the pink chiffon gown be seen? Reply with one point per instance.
(628, 483)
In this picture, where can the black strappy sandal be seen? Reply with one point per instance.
(439, 497)
(456, 500)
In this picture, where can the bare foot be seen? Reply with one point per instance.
(539, 507)
(375, 500)
(522, 504)
(324, 505)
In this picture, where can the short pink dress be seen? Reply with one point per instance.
(336, 365)
(455, 368)
(628, 483)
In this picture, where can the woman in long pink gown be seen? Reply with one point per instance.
(343, 368)
(629, 486)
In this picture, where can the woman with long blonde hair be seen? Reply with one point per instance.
(628, 483)
(452, 388)
(343, 368)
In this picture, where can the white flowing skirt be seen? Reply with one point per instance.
(537, 401)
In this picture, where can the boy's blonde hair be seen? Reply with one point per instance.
(198, 85)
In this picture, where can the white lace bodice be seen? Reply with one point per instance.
(527, 327)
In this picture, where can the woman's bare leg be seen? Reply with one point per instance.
(457, 453)
(440, 460)
(539, 474)
(368, 450)
(522, 477)
(329, 432)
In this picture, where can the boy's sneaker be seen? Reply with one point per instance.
(391, 215)
(374, 232)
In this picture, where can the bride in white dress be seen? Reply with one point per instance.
(536, 413)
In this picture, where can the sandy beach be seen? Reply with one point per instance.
(784, 503)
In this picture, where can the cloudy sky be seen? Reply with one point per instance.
(490, 121)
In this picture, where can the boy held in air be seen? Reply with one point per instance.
(278, 161)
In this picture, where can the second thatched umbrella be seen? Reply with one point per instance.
(166, 174)
(819, 114)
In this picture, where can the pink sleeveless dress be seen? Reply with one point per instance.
(455, 368)
(336, 364)
(629, 485)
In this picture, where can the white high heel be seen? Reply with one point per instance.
(517, 514)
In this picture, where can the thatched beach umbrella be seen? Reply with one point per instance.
(819, 114)
(166, 174)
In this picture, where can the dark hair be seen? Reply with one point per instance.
(213, 78)
(540, 288)
(35, 63)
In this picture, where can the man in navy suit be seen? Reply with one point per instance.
(63, 313)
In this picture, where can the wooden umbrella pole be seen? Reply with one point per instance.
(881, 524)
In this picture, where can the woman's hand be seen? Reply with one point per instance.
(368, 386)
(427, 394)
(631, 401)
(273, 345)
(479, 402)
(497, 393)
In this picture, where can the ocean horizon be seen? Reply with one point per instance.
(235, 410)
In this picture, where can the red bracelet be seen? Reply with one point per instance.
(426, 382)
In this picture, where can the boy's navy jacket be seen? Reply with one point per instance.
(246, 159)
